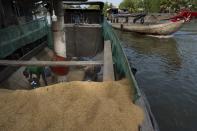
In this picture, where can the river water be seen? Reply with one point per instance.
(167, 73)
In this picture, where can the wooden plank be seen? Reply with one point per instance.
(49, 63)
(108, 70)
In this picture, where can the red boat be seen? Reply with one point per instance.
(184, 14)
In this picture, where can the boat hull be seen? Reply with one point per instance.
(167, 28)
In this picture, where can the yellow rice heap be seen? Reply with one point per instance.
(72, 106)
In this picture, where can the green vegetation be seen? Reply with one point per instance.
(158, 5)
(131, 5)
(107, 5)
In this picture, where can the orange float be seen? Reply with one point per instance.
(59, 70)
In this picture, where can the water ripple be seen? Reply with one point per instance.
(167, 72)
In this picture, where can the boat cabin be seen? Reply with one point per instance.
(72, 47)
(81, 23)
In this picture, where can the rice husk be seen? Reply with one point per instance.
(72, 106)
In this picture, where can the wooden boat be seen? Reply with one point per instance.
(166, 28)
(79, 44)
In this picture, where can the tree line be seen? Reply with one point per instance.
(158, 5)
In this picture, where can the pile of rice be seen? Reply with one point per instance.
(71, 106)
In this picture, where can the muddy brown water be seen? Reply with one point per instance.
(167, 72)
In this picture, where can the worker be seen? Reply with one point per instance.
(37, 71)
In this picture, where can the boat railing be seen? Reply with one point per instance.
(120, 60)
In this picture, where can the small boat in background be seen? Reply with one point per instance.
(166, 28)
(151, 26)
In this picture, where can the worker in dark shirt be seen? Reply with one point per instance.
(38, 71)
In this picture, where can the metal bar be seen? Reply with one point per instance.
(49, 63)
(84, 25)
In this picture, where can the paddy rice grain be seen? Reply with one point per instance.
(72, 106)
